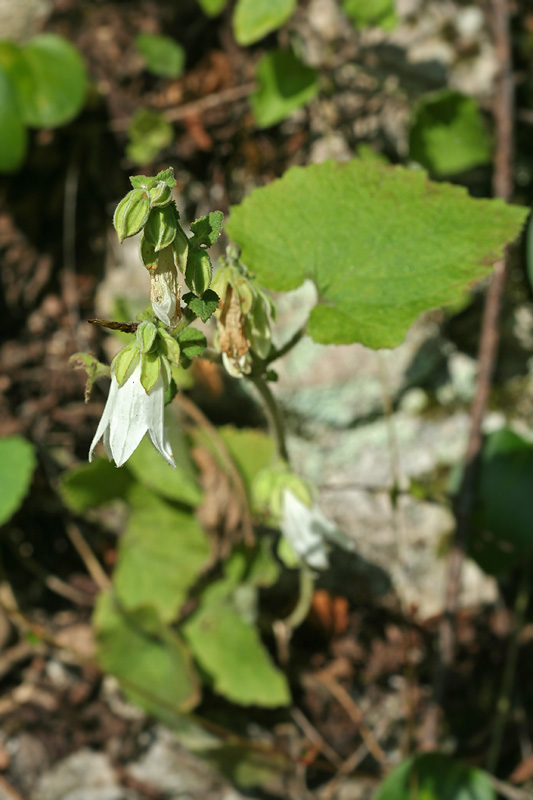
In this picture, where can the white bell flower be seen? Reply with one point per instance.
(130, 413)
(307, 529)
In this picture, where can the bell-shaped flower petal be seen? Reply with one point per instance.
(129, 414)
(307, 530)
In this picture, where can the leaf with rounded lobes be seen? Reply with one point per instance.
(17, 463)
(502, 535)
(229, 650)
(284, 83)
(50, 80)
(382, 244)
(160, 555)
(434, 776)
(150, 661)
(163, 56)
(204, 306)
(207, 229)
(13, 134)
(448, 134)
(213, 7)
(253, 19)
(367, 13)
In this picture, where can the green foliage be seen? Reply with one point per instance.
(448, 134)
(13, 134)
(529, 251)
(250, 449)
(230, 651)
(204, 307)
(91, 485)
(503, 534)
(434, 776)
(213, 7)
(150, 660)
(148, 134)
(163, 56)
(382, 244)
(206, 230)
(253, 19)
(160, 556)
(366, 13)
(17, 463)
(192, 343)
(42, 85)
(284, 83)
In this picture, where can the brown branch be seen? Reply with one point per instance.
(502, 187)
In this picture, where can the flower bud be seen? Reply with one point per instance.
(124, 361)
(131, 213)
(146, 333)
(199, 272)
(160, 194)
(257, 329)
(161, 226)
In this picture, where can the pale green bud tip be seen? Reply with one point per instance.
(131, 213)
(199, 272)
(160, 194)
(150, 370)
(146, 333)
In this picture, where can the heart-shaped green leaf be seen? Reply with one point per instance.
(382, 244)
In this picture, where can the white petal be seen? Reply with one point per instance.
(305, 529)
(103, 425)
(130, 418)
(156, 430)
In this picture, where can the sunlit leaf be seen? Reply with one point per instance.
(163, 56)
(253, 19)
(213, 7)
(284, 83)
(150, 661)
(160, 555)
(434, 776)
(382, 244)
(367, 13)
(17, 463)
(448, 134)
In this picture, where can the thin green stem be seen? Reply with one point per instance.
(504, 699)
(287, 347)
(274, 413)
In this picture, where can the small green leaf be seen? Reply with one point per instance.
(204, 306)
(163, 56)
(149, 133)
(131, 214)
(284, 83)
(160, 556)
(253, 19)
(92, 485)
(123, 360)
(169, 347)
(161, 227)
(142, 182)
(199, 272)
(150, 661)
(231, 652)
(382, 244)
(150, 370)
(207, 229)
(180, 484)
(50, 80)
(145, 335)
(367, 13)
(17, 463)
(13, 134)
(434, 776)
(93, 368)
(192, 343)
(167, 175)
(502, 536)
(212, 7)
(448, 134)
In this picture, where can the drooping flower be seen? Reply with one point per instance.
(129, 414)
(307, 530)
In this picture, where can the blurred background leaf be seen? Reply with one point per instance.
(163, 56)
(17, 463)
(284, 84)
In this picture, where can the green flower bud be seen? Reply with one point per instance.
(150, 370)
(180, 248)
(257, 329)
(169, 347)
(124, 361)
(160, 194)
(131, 213)
(146, 333)
(199, 272)
(161, 227)
(269, 485)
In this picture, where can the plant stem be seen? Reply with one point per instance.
(274, 413)
(287, 347)
(504, 699)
